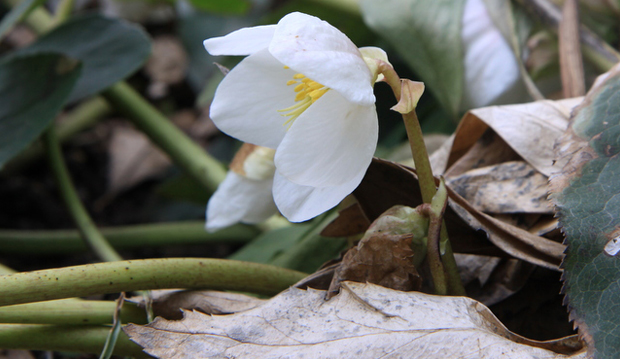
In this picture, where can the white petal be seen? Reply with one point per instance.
(322, 53)
(329, 144)
(374, 53)
(239, 199)
(300, 203)
(242, 42)
(247, 101)
(491, 69)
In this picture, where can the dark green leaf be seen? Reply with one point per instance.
(33, 89)
(587, 196)
(236, 7)
(428, 36)
(17, 13)
(109, 49)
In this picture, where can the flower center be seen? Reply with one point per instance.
(307, 91)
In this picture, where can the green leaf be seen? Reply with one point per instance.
(230, 7)
(270, 244)
(18, 12)
(33, 89)
(587, 196)
(427, 34)
(311, 250)
(109, 49)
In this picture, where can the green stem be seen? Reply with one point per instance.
(63, 11)
(87, 228)
(87, 339)
(127, 276)
(70, 312)
(424, 171)
(150, 235)
(82, 117)
(183, 151)
(420, 156)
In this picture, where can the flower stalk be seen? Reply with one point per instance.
(91, 235)
(407, 94)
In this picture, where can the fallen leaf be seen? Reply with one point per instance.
(166, 66)
(529, 129)
(363, 321)
(387, 184)
(509, 187)
(350, 221)
(388, 253)
(133, 158)
(170, 303)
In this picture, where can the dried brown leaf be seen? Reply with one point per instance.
(363, 321)
(166, 66)
(133, 158)
(387, 184)
(509, 187)
(170, 303)
(529, 129)
(350, 221)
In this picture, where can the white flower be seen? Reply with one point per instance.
(307, 91)
(245, 194)
(490, 68)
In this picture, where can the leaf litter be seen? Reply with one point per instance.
(363, 321)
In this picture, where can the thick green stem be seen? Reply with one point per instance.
(70, 312)
(87, 339)
(127, 276)
(82, 220)
(149, 235)
(184, 152)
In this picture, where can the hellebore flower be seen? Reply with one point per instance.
(245, 194)
(306, 91)
(490, 68)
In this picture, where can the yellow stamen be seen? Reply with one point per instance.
(299, 87)
(307, 92)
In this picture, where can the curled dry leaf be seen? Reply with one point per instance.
(363, 321)
(387, 184)
(170, 303)
(386, 255)
(509, 187)
(529, 129)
